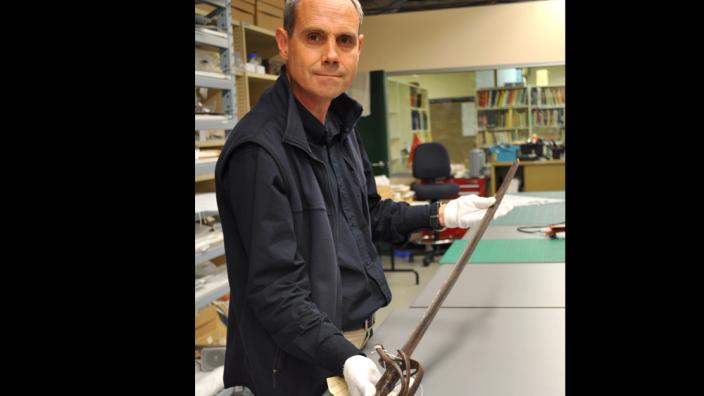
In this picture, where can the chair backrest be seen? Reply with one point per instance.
(431, 161)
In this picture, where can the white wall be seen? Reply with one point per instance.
(507, 34)
(443, 85)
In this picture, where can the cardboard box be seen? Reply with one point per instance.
(207, 59)
(210, 330)
(243, 15)
(269, 9)
(276, 3)
(267, 21)
(243, 5)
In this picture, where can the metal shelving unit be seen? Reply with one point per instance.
(215, 287)
(208, 121)
(205, 167)
(213, 80)
(211, 37)
(222, 39)
(213, 251)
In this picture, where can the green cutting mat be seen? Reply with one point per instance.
(509, 251)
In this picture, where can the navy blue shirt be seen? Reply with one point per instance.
(361, 295)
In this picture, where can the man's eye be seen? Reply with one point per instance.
(313, 37)
(346, 40)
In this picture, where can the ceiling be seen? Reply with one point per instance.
(377, 7)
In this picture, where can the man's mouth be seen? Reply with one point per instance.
(328, 75)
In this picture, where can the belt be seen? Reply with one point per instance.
(369, 322)
(365, 325)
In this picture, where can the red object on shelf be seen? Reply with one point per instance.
(416, 142)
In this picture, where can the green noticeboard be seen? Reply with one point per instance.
(374, 128)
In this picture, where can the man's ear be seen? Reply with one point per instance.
(361, 41)
(282, 42)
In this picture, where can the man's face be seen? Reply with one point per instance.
(323, 50)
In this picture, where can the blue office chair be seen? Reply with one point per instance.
(431, 163)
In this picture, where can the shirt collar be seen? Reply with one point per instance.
(316, 131)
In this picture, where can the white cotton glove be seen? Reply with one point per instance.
(361, 375)
(470, 209)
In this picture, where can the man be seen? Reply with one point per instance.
(300, 211)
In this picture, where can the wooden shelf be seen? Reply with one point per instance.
(210, 176)
(254, 28)
(260, 30)
(263, 77)
(500, 88)
(501, 129)
(501, 108)
(548, 86)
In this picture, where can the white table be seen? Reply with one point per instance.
(483, 352)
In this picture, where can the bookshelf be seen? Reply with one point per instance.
(514, 114)
(408, 113)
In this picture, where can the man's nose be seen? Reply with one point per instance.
(330, 54)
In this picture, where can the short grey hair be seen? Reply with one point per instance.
(290, 14)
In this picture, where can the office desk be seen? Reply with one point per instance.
(483, 351)
(540, 285)
(543, 175)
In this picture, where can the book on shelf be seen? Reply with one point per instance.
(419, 120)
(503, 119)
(493, 138)
(548, 118)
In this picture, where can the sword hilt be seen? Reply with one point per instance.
(398, 368)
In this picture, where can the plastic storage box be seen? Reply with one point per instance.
(505, 152)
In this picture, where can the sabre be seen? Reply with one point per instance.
(402, 367)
